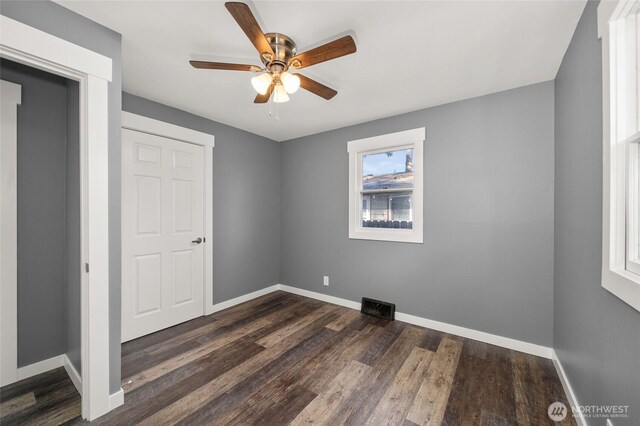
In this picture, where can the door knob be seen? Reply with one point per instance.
(197, 240)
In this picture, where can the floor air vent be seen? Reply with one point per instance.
(376, 308)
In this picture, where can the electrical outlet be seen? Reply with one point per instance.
(325, 280)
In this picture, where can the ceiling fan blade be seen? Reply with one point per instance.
(316, 88)
(261, 99)
(223, 66)
(243, 16)
(332, 50)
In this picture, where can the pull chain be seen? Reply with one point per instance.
(271, 102)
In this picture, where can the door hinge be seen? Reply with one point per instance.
(86, 268)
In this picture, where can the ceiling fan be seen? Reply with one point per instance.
(279, 56)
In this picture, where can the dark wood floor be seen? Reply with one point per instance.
(286, 359)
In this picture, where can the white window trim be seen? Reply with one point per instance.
(615, 277)
(414, 138)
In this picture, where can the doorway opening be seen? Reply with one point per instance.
(29, 46)
(47, 301)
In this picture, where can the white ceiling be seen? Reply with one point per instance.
(411, 55)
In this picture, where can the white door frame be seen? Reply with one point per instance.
(38, 49)
(10, 96)
(160, 128)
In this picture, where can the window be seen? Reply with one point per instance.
(619, 26)
(385, 187)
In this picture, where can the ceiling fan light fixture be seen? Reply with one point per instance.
(280, 94)
(291, 82)
(261, 83)
(278, 53)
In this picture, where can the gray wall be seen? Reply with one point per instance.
(61, 22)
(42, 139)
(48, 215)
(596, 335)
(246, 201)
(73, 247)
(487, 258)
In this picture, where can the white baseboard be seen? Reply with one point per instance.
(51, 364)
(320, 296)
(116, 399)
(505, 342)
(568, 390)
(240, 299)
(493, 339)
(40, 367)
(469, 333)
(73, 373)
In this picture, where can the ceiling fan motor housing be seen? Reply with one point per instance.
(283, 47)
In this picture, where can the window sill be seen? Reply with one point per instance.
(392, 235)
(624, 285)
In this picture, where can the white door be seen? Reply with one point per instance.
(162, 233)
